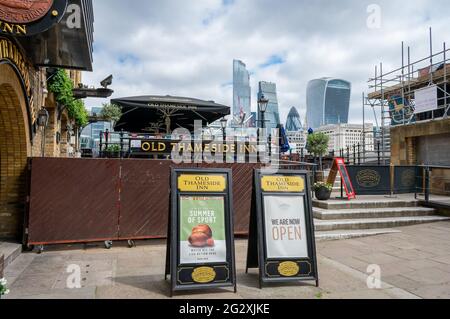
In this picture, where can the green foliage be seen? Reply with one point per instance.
(61, 85)
(111, 112)
(3, 287)
(321, 185)
(318, 144)
(113, 148)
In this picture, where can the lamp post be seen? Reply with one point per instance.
(263, 103)
(223, 124)
(43, 117)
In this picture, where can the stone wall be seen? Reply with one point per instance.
(421, 143)
(426, 143)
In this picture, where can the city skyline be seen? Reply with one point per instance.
(197, 42)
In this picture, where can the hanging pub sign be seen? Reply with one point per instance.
(339, 166)
(30, 17)
(281, 236)
(200, 246)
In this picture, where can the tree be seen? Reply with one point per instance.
(112, 113)
(318, 145)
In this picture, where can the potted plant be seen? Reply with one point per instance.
(323, 190)
(113, 151)
(3, 288)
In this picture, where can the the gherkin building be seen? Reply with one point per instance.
(293, 122)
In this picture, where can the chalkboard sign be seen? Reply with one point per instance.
(281, 236)
(339, 166)
(200, 247)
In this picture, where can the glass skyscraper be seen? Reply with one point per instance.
(272, 116)
(293, 122)
(241, 90)
(91, 133)
(328, 102)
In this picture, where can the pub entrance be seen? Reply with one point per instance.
(14, 151)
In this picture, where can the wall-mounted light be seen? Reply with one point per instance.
(43, 117)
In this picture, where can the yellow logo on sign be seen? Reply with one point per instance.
(204, 275)
(283, 184)
(288, 269)
(202, 183)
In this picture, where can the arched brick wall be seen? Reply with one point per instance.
(14, 150)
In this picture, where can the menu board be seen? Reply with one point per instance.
(281, 235)
(200, 247)
(339, 166)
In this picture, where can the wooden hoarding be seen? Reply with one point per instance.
(282, 241)
(200, 249)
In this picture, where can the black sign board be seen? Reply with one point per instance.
(200, 247)
(281, 236)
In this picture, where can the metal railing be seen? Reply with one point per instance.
(363, 154)
(433, 185)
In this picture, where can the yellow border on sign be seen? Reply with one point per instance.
(282, 184)
(202, 183)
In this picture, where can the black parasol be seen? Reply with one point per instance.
(155, 113)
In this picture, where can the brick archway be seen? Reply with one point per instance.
(15, 148)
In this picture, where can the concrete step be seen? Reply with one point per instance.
(364, 204)
(349, 234)
(10, 251)
(374, 223)
(324, 214)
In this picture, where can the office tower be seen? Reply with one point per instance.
(241, 90)
(328, 102)
(346, 136)
(92, 131)
(272, 115)
(293, 122)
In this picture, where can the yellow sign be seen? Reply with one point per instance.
(202, 183)
(204, 275)
(288, 269)
(283, 184)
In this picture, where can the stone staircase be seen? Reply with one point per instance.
(343, 219)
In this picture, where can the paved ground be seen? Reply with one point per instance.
(414, 263)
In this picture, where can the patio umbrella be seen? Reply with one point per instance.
(141, 114)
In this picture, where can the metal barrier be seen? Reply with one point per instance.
(433, 185)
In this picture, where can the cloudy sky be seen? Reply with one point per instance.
(186, 48)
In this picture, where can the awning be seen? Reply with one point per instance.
(65, 45)
(149, 114)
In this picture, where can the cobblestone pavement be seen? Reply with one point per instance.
(413, 264)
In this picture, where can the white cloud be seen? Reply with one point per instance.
(187, 47)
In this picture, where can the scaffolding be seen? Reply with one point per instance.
(393, 93)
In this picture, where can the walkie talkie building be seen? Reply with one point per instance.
(328, 102)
